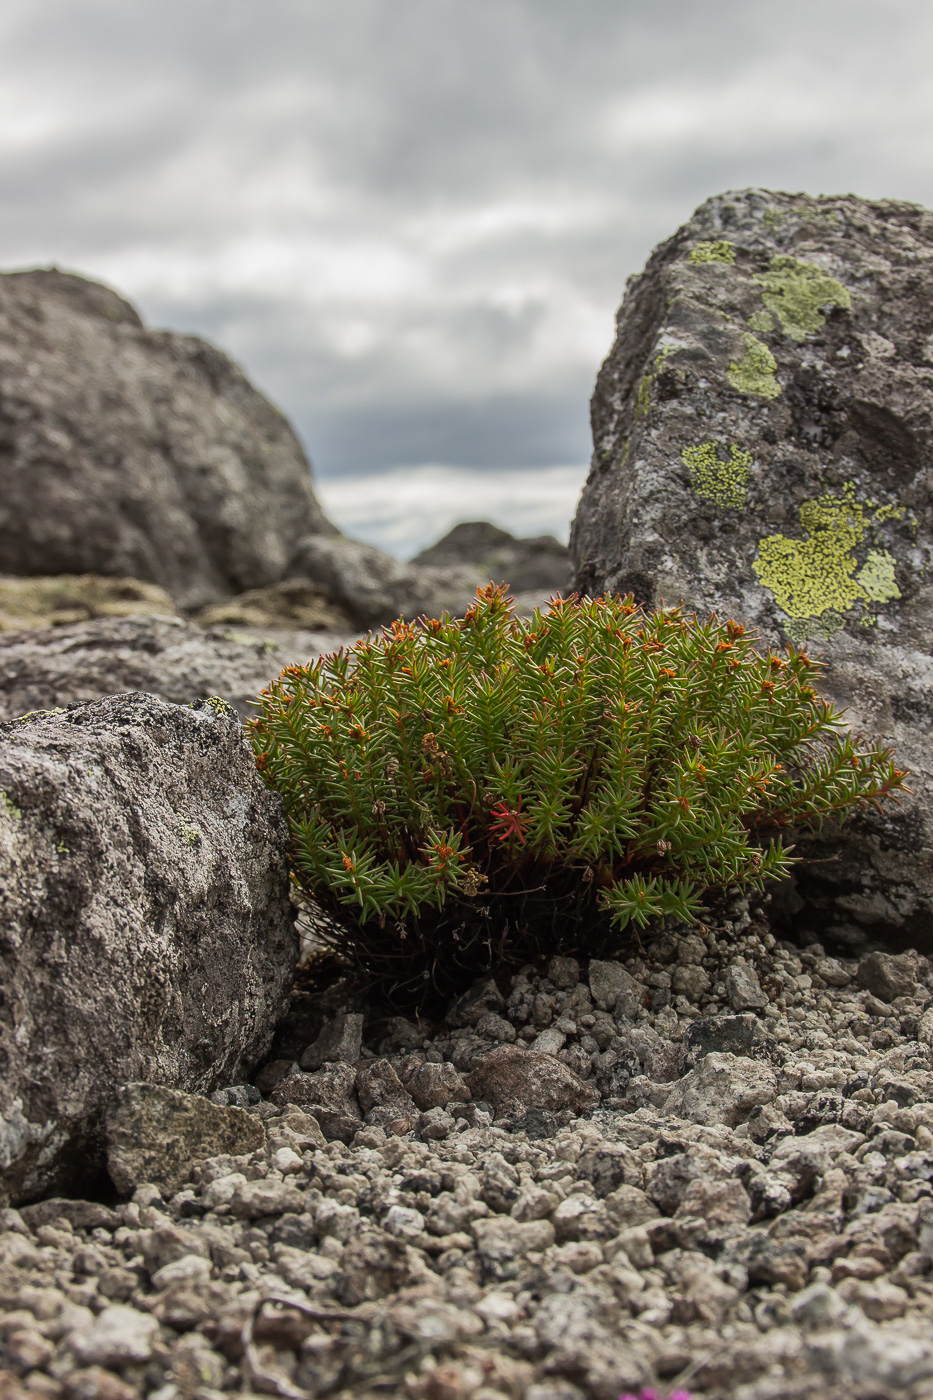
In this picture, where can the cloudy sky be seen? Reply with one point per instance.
(411, 220)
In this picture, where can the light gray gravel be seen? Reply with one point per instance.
(734, 1202)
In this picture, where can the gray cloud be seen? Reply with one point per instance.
(411, 220)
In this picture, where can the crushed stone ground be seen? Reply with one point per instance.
(743, 1210)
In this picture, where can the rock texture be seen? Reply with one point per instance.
(163, 656)
(126, 451)
(147, 928)
(762, 446)
(162, 1135)
(781, 1252)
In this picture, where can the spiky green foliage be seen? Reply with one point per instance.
(457, 788)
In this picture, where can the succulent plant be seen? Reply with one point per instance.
(462, 792)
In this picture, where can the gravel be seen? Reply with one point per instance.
(707, 1169)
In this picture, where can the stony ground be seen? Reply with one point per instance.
(708, 1169)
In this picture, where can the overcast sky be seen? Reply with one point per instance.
(411, 220)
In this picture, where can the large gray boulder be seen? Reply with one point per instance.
(762, 446)
(57, 666)
(146, 929)
(127, 451)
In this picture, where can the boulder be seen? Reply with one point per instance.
(147, 930)
(539, 563)
(164, 656)
(159, 1135)
(762, 438)
(134, 452)
(511, 1079)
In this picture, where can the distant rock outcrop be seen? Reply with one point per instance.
(374, 588)
(536, 564)
(147, 928)
(132, 452)
(763, 439)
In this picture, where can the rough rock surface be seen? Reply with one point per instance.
(42, 669)
(127, 451)
(536, 564)
(161, 1135)
(785, 1257)
(762, 446)
(147, 929)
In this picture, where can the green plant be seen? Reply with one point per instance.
(462, 792)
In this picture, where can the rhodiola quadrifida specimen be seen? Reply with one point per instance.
(463, 793)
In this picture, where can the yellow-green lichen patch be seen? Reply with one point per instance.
(643, 392)
(719, 251)
(761, 321)
(10, 807)
(819, 629)
(820, 575)
(754, 373)
(189, 834)
(717, 478)
(876, 576)
(775, 219)
(37, 714)
(796, 292)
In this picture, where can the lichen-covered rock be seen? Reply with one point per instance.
(54, 667)
(762, 436)
(147, 930)
(135, 452)
(294, 603)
